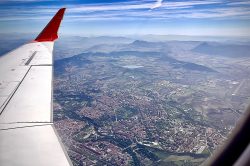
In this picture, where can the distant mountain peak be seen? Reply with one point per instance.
(219, 49)
(140, 42)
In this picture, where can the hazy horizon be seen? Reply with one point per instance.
(163, 37)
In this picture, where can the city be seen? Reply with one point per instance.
(144, 107)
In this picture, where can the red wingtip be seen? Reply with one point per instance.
(49, 33)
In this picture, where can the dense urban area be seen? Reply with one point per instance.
(119, 101)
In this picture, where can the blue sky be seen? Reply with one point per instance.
(131, 17)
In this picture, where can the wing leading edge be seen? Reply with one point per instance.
(27, 133)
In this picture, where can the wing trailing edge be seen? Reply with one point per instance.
(49, 33)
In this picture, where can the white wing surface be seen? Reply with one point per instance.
(27, 134)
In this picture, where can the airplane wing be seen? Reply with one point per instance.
(27, 134)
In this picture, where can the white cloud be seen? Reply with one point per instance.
(245, 2)
(157, 4)
(191, 3)
(135, 10)
(22, 1)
